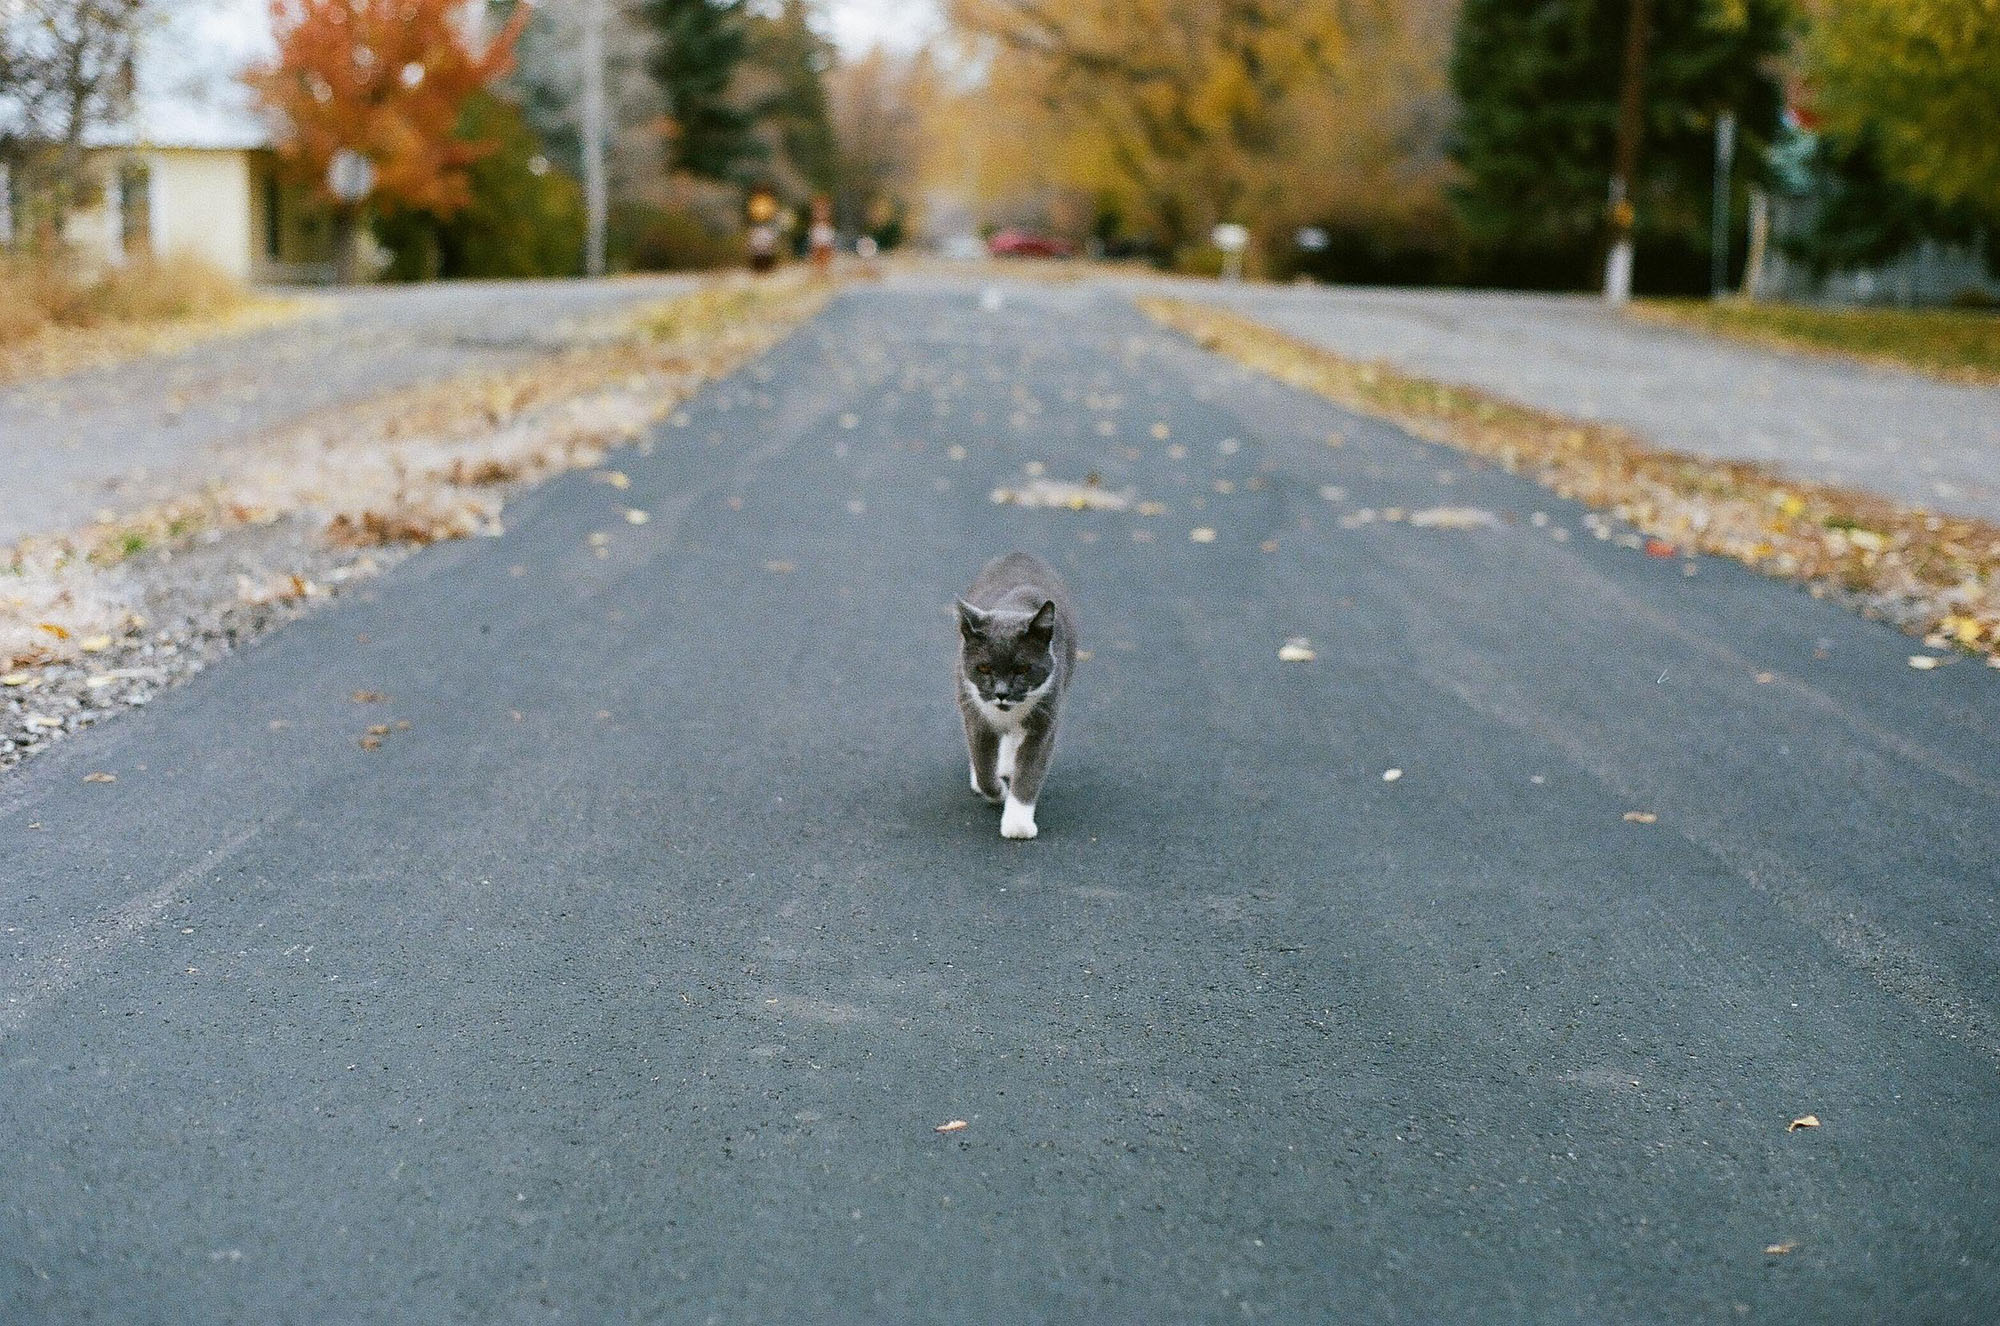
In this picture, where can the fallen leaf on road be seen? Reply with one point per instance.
(16, 679)
(637, 517)
(1391, 775)
(1660, 548)
(1161, 432)
(1454, 517)
(100, 778)
(1356, 519)
(1298, 649)
(1780, 1249)
(94, 644)
(378, 729)
(1640, 817)
(1924, 662)
(55, 629)
(1202, 534)
(371, 742)
(780, 568)
(1332, 492)
(849, 420)
(616, 478)
(43, 720)
(1766, 678)
(1151, 508)
(955, 1126)
(1057, 495)
(1803, 1121)
(368, 697)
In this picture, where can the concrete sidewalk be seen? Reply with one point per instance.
(1928, 443)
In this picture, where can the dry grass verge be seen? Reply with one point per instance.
(1934, 576)
(58, 316)
(1949, 344)
(103, 615)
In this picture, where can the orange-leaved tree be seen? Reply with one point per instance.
(386, 79)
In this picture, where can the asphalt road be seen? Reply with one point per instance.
(631, 980)
(1922, 442)
(117, 437)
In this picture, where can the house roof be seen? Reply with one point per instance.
(190, 92)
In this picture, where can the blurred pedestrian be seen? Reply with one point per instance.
(763, 238)
(820, 239)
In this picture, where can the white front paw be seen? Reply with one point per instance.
(1017, 820)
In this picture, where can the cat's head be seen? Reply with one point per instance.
(1007, 655)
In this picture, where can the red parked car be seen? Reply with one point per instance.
(1013, 243)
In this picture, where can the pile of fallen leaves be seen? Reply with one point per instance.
(411, 467)
(1933, 575)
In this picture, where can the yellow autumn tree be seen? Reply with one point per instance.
(1924, 77)
(1179, 113)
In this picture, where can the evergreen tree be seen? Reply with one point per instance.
(797, 59)
(700, 46)
(1538, 86)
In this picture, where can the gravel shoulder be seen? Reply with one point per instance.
(125, 435)
(1898, 434)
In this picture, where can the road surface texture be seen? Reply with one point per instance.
(631, 980)
(119, 436)
(1927, 443)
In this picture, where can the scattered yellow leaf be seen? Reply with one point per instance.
(94, 644)
(1298, 649)
(1161, 432)
(1391, 775)
(1803, 1121)
(1924, 662)
(55, 629)
(371, 742)
(637, 517)
(1640, 817)
(368, 697)
(100, 778)
(954, 1126)
(1780, 1249)
(1202, 534)
(378, 729)
(780, 568)
(16, 679)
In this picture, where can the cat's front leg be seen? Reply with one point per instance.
(982, 748)
(1024, 783)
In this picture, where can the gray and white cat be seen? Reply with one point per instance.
(1017, 647)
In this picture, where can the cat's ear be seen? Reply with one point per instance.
(1042, 626)
(971, 621)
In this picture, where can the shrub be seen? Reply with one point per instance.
(655, 239)
(57, 288)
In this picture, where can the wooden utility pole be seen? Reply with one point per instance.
(1631, 127)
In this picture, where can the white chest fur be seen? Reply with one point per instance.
(1005, 721)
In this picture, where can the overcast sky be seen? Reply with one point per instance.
(900, 25)
(189, 93)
